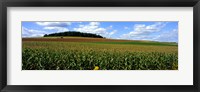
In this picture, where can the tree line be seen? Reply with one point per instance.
(74, 33)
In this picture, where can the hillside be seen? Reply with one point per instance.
(73, 33)
(99, 41)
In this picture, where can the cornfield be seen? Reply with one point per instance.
(38, 55)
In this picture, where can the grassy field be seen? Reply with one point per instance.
(79, 53)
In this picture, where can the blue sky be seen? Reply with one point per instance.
(154, 31)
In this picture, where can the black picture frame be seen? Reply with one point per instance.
(98, 3)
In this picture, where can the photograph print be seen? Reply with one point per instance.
(99, 45)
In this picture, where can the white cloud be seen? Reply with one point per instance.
(59, 29)
(144, 32)
(81, 25)
(113, 32)
(94, 23)
(54, 24)
(141, 29)
(94, 27)
(32, 33)
(58, 26)
(126, 27)
(169, 36)
(110, 27)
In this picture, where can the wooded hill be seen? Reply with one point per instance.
(73, 33)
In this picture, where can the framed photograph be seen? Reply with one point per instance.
(88, 45)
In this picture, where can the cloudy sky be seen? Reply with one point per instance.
(154, 31)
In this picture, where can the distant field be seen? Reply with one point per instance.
(81, 53)
(73, 39)
(99, 40)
